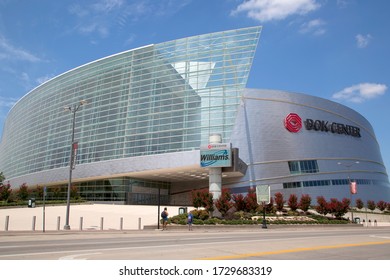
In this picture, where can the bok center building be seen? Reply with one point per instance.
(145, 118)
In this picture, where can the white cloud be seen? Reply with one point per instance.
(268, 10)
(104, 15)
(107, 5)
(130, 39)
(7, 102)
(10, 52)
(316, 27)
(98, 17)
(361, 92)
(78, 10)
(43, 79)
(362, 41)
(342, 3)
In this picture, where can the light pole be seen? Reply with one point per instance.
(72, 159)
(348, 166)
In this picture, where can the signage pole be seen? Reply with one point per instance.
(158, 208)
(263, 195)
(44, 213)
(264, 220)
(350, 182)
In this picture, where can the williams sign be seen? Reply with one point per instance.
(293, 123)
(216, 155)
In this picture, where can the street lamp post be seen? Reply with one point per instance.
(348, 166)
(72, 159)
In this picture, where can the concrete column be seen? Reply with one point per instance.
(215, 173)
(215, 182)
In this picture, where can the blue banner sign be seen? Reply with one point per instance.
(216, 155)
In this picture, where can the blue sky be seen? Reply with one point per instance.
(335, 49)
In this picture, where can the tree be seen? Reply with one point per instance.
(239, 202)
(5, 192)
(293, 202)
(196, 199)
(74, 192)
(381, 205)
(2, 178)
(22, 193)
(338, 208)
(208, 201)
(371, 205)
(359, 204)
(279, 201)
(322, 205)
(223, 203)
(269, 207)
(203, 198)
(57, 192)
(39, 191)
(304, 202)
(251, 200)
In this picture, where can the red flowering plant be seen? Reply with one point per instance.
(359, 204)
(381, 205)
(251, 201)
(279, 201)
(304, 202)
(203, 198)
(371, 205)
(293, 202)
(322, 205)
(338, 208)
(223, 203)
(239, 202)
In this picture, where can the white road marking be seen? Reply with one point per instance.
(77, 257)
(378, 236)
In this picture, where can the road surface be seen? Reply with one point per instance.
(299, 243)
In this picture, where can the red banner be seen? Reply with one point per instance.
(353, 187)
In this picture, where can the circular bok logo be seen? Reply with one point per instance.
(293, 122)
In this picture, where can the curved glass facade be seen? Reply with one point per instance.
(155, 99)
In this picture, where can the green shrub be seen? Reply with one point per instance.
(212, 221)
(198, 222)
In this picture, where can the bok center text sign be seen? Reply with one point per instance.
(216, 155)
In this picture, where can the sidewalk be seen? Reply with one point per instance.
(132, 217)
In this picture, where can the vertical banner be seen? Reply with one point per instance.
(353, 187)
(263, 194)
(75, 146)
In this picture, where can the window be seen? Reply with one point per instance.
(291, 185)
(304, 166)
(316, 183)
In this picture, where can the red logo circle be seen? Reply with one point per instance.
(293, 122)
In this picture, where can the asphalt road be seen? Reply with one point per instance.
(358, 243)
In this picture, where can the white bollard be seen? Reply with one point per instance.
(34, 219)
(6, 223)
(58, 222)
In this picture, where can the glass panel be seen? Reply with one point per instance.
(159, 98)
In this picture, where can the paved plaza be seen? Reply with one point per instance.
(94, 217)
